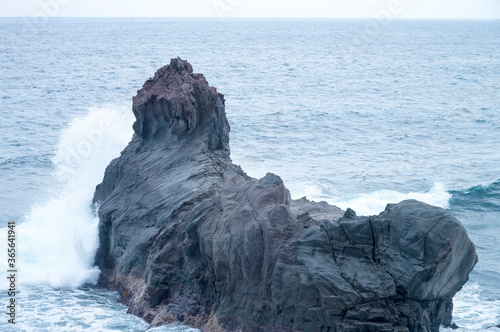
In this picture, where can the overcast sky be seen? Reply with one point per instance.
(254, 8)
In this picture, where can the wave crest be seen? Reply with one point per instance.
(375, 202)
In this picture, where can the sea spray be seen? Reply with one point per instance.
(59, 237)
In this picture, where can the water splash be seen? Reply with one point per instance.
(59, 238)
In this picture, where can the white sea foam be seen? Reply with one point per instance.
(375, 202)
(44, 308)
(59, 238)
(173, 328)
(474, 311)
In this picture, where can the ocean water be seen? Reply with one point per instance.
(355, 112)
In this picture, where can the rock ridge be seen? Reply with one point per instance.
(185, 235)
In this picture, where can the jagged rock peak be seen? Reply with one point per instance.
(179, 103)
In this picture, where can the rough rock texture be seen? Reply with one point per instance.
(185, 235)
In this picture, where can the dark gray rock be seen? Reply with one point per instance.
(186, 235)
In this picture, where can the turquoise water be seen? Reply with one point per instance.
(354, 116)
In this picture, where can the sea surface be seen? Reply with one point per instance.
(359, 113)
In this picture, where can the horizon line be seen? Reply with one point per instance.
(271, 17)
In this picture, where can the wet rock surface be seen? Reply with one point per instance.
(186, 235)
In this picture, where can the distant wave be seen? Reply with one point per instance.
(59, 237)
(478, 198)
(375, 202)
(482, 198)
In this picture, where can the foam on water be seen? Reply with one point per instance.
(474, 309)
(173, 328)
(375, 202)
(47, 309)
(59, 237)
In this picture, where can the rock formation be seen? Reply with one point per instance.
(185, 235)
